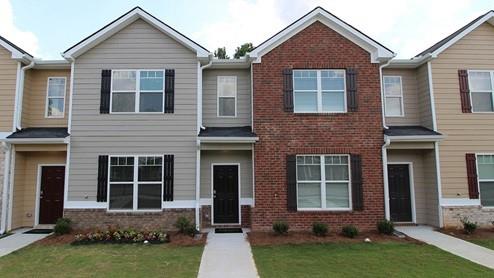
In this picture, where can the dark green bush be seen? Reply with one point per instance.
(320, 229)
(349, 231)
(385, 227)
(63, 226)
(468, 226)
(280, 227)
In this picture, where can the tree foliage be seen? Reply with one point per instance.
(243, 49)
(220, 53)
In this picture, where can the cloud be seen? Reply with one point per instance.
(407, 26)
(24, 39)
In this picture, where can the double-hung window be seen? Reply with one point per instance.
(481, 90)
(55, 97)
(393, 96)
(227, 96)
(135, 182)
(485, 168)
(319, 91)
(137, 91)
(323, 182)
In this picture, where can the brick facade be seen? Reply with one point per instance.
(101, 219)
(282, 133)
(452, 216)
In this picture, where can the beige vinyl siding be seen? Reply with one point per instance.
(35, 98)
(466, 132)
(137, 46)
(424, 182)
(8, 76)
(25, 181)
(410, 97)
(210, 100)
(242, 157)
(424, 97)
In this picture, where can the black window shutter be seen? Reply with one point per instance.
(466, 106)
(357, 191)
(104, 106)
(473, 188)
(169, 91)
(291, 177)
(351, 87)
(168, 161)
(288, 90)
(102, 178)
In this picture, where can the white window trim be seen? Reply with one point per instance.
(137, 92)
(322, 184)
(48, 97)
(218, 96)
(491, 91)
(319, 92)
(402, 104)
(478, 178)
(135, 183)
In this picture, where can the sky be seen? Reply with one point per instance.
(47, 28)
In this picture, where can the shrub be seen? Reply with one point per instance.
(63, 226)
(349, 231)
(385, 227)
(185, 226)
(468, 226)
(320, 229)
(120, 236)
(280, 227)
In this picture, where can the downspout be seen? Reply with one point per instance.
(386, 144)
(382, 89)
(198, 142)
(16, 98)
(18, 117)
(5, 191)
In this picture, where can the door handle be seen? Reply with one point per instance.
(214, 194)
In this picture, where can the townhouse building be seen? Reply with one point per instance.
(139, 124)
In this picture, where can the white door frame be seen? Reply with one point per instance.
(412, 188)
(38, 189)
(212, 192)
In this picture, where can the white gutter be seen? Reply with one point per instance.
(382, 89)
(6, 178)
(65, 140)
(18, 108)
(199, 92)
(387, 142)
(431, 95)
(16, 99)
(417, 138)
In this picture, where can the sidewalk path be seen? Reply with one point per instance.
(17, 241)
(462, 248)
(227, 255)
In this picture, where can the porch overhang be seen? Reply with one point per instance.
(41, 135)
(241, 134)
(411, 134)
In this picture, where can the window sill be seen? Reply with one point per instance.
(134, 212)
(325, 210)
(54, 117)
(319, 113)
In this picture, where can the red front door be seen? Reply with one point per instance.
(51, 194)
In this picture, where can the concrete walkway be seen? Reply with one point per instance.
(17, 241)
(227, 255)
(462, 248)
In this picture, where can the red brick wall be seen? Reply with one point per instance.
(283, 133)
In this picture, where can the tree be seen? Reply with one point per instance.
(243, 49)
(220, 53)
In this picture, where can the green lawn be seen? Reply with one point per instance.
(488, 243)
(102, 261)
(362, 260)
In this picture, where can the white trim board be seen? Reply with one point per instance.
(459, 202)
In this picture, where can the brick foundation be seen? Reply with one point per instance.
(206, 216)
(101, 219)
(482, 216)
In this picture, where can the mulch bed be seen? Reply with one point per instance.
(484, 233)
(270, 238)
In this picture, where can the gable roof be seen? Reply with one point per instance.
(458, 34)
(378, 51)
(17, 52)
(123, 21)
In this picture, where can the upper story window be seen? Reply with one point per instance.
(393, 96)
(319, 91)
(137, 91)
(482, 90)
(485, 166)
(227, 96)
(55, 97)
(323, 182)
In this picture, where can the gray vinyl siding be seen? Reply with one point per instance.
(209, 99)
(137, 46)
(242, 157)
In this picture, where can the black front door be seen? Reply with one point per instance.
(399, 193)
(51, 194)
(225, 194)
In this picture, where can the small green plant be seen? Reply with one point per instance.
(385, 227)
(63, 226)
(320, 229)
(468, 226)
(349, 231)
(185, 226)
(280, 227)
